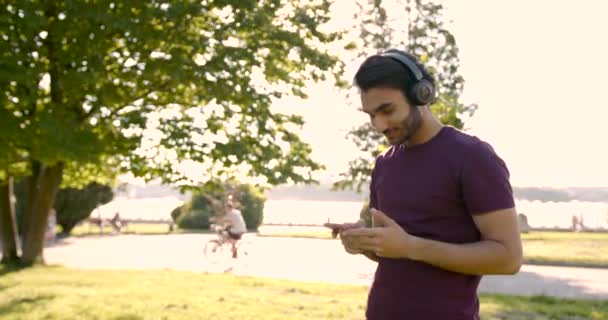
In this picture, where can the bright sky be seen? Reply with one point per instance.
(537, 69)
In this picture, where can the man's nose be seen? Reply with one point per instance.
(380, 124)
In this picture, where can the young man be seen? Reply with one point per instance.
(441, 202)
(235, 225)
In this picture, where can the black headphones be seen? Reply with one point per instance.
(423, 91)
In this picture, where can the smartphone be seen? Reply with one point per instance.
(336, 228)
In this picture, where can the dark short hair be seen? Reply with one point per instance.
(384, 72)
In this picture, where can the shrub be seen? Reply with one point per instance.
(74, 205)
(176, 213)
(194, 219)
(195, 213)
(71, 205)
(252, 201)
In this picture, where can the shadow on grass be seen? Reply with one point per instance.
(15, 305)
(10, 267)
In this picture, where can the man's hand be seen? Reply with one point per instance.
(338, 228)
(386, 238)
(350, 243)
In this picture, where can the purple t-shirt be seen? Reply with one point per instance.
(432, 191)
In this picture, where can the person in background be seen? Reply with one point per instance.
(234, 224)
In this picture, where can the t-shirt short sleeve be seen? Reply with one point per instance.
(485, 180)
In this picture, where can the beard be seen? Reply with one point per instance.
(409, 126)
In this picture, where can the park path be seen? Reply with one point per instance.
(296, 259)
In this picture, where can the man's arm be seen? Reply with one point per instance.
(485, 190)
(498, 252)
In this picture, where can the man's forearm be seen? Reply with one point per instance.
(479, 258)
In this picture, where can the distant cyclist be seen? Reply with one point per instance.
(234, 224)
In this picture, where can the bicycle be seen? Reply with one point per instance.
(216, 249)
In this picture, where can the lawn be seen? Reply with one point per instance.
(566, 248)
(551, 248)
(61, 293)
(85, 229)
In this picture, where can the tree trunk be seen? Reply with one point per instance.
(43, 186)
(8, 224)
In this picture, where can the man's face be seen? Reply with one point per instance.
(391, 114)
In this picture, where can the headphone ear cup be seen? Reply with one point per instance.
(423, 93)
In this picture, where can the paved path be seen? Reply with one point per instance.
(297, 259)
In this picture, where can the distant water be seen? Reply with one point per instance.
(158, 208)
(559, 214)
(539, 214)
(311, 212)
(548, 214)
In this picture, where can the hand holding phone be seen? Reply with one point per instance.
(336, 228)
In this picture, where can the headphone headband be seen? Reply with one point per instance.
(406, 62)
(422, 92)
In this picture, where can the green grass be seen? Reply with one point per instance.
(588, 249)
(61, 293)
(577, 236)
(85, 229)
(566, 248)
(134, 228)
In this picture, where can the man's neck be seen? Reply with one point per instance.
(429, 128)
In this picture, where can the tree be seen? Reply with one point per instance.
(9, 156)
(251, 201)
(161, 88)
(74, 205)
(429, 40)
(8, 225)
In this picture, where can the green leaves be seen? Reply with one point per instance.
(76, 204)
(84, 82)
(435, 46)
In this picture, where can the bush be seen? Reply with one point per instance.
(252, 205)
(195, 213)
(194, 219)
(177, 212)
(71, 205)
(74, 205)
(199, 201)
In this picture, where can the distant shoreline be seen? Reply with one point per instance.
(318, 200)
(324, 192)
